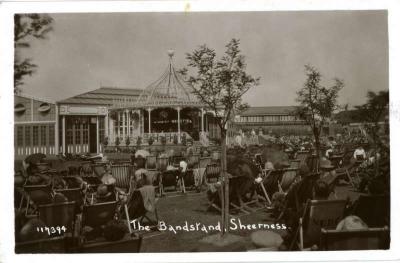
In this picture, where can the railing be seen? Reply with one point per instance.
(133, 140)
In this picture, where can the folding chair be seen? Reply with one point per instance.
(193, 161)
(374, 210)
(169, 178)
(288, 178)
(319, 214)
(136, 209)
(212, 177)
(122, 174)
(60, 215)
(97, 215)
(162, 163)
(204, 161)
(73, 195)
(37, 195)
(366, 239)
(85, 169)
(151, 162)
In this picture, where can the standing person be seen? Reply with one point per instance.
(182, 173)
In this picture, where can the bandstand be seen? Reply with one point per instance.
(166, 108)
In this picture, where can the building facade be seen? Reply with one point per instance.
(273, 119)
(34, 126)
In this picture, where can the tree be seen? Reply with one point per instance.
(26, 28)
(371, 113)
(220, 84)
(317, 103)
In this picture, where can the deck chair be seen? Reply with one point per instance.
(319, 214)
(169, 178)
(302, 157)
(41, 246)
(204, 161)
(193, 161)
(374, 210)
(162, 163)
(122, 174)
(212, 176)
(136, 209)
(59, 215)
(86, 169)
(151, 162)
(288, 178)
(366, 239)
(97, 215)
(175, 160)
(73, 195)
(37, 195)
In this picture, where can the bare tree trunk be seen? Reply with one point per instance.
(225, 187)
(317, 147)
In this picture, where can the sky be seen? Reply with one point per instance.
(129, 50)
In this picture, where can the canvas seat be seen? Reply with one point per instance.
(365, 239)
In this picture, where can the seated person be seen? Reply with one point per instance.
(108, 178)
(329, 152)
(359, 153)
(105, 193)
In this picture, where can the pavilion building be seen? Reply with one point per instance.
(167, 107)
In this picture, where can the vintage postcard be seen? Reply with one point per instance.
(168, 131)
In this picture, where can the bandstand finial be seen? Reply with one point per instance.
(171, 53)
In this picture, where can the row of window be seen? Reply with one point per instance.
(267, 118)
(77, 133)
(35, 135)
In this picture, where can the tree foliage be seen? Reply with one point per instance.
(317, 102)
(220, 84)
(26, 28)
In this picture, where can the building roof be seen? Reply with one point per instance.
(354, 116)
(270, 110)
(23, 95)
(169, 90)
(103, 96)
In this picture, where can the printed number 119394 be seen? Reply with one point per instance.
(52, 229)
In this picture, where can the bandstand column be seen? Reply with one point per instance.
(128, 124)
(97, 135)
(179, 124)
(123, 124)
(149, 110)
(63, 135)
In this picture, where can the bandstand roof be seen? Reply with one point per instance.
(170, 90)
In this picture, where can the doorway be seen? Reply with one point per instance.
(92, 136)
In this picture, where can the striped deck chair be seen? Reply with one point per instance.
(212, 178)
(123, 174)
(151, 162)
(162, 163)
